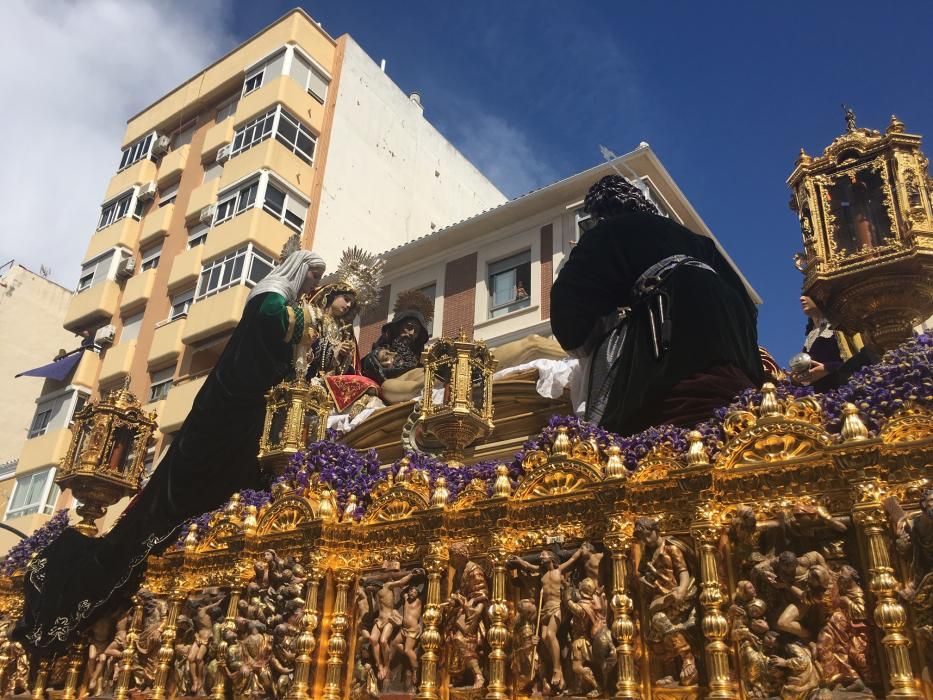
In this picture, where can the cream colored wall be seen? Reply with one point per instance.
(32, 310)
(390, 175)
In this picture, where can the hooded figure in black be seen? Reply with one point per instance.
(663, 326)
(402, 341)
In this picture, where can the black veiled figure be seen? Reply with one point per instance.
(712, 350)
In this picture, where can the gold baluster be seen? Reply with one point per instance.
(167, 649)
(430, 635)
(306, 641)
(42, 677)
(889, 613)
(75, 665)
(498, 635)
(707, 534)
(623, 626)
(337, 644)
(128, 658)
(219, 691)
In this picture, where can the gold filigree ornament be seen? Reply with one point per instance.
(913, 421)
(394, 500)
(557, 477)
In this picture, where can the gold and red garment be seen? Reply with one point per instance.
(345, 389)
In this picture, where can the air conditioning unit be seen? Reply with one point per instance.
(105, 335)
(161, 145)
(207, 214)
(126, 268)
(147, 191)
(223, 153)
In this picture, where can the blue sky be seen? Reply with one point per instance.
(725, 93)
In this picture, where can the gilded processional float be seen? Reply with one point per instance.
(482, 542)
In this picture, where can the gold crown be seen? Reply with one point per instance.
(358, 272)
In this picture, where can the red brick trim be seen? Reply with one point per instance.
(459, 296)
(547, 269)
(372, 320)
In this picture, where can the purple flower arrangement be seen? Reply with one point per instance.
(18, 557)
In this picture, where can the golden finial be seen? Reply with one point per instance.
(350, 510)
(441, 494)
(896, 126)
(326, 506)
(462, 336)
(562, 445)
(615, 465)
(803, 158)
(770, 406)
(503, 487)
(191, 540)
(853, 429)
(250, 522)
(232, 508)
(696, 453)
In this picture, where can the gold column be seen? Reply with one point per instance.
(42, 677)
(128, 658)
(337, 644)
(498, 635)
(306, 642)
(707, 534)
(889, 613)
(623, 626)
(219, 691)
(75, 663)
(430, 635)
(167, 650)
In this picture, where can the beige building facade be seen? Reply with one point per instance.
(291, 132)
(32, 309)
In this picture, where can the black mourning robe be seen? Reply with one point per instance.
(713, 318)
(77, 578)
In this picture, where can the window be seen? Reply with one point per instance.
(40, 422)
(137, 151)
(226, 109)
(32, 493)
(288, 131)
(243, 266)
(160, 383)
(294, 136)
(584, 222)
(131, 325)
(167, 196)
(253, 81)
(236, 202)
(149, 461)
(510, 284)
(183, 135)
(181, 302)
(309, 77)
(149, 258)
(197, 235)
(116, 209)
(213, 171)
(96, 271)
(285, 206)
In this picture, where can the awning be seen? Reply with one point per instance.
(58, 369)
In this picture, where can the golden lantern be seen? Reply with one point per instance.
(107, 455)
(296, 414)
(463, 414)
(867, 225)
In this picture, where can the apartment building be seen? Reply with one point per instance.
(32, 309)
(291, 132)
(491, 274)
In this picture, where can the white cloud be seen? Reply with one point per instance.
(72, 74)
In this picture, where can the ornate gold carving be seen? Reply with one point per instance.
(911, 422)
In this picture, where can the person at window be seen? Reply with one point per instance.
(77, 579)
(687, 343)
(328, 348)
(520, 292)
(832, 360)
(399, 347)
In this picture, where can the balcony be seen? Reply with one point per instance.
(178, 404)
(290, 94)
(117, 361)
(186, 267)
(252, 226)
(137, 290)
(172, 164)
(166, 343)
(95, 304)
(85, 374)
(44, 451)
(218, 135)
(272, 155)
(156, 225)
(215, 315)
(124, 232)
(202, 196)
(138, 173)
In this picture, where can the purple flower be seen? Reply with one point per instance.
(18, 557)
